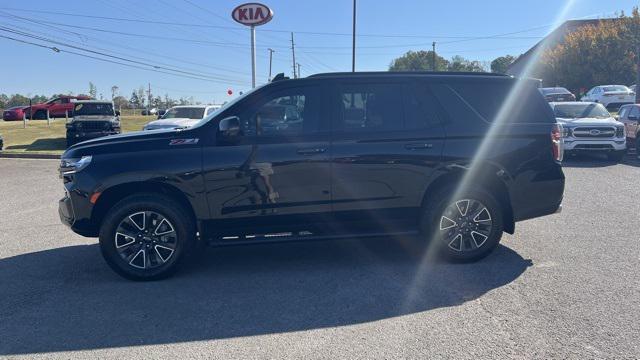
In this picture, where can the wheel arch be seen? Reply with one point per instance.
(492, 180)
(109, 197)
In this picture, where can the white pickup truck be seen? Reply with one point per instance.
(588, 126)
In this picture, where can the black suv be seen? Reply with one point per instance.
(457, 158)
(92, 119)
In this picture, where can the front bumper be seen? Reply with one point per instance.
(75, 210)
(573, 144)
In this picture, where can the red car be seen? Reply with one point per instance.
(57, 107)
(13, 114)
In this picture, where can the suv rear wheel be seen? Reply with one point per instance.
(145, 237)
(463, 226)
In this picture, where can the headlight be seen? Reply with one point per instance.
(72, 166)
(566, 131)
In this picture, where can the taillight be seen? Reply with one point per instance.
(556, 142)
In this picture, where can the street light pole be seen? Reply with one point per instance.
(271, 51)
(353, 46)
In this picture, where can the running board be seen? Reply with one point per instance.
(302, 236)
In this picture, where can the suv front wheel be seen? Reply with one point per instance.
(463, 225)
(145, 237)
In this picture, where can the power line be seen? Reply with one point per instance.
(127, 62)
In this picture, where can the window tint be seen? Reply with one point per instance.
(370, 107)
(419, 109)
(483, 101)
(286, 113)
(635, 111)
(623, 112)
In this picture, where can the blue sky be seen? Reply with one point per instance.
(218, 48)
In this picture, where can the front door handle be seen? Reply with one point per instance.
(418, 146)
(311, 151)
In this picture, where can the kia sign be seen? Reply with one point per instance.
(252, 14)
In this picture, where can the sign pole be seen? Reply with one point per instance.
(253, 56)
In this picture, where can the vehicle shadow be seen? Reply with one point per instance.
(67, 299)
(42, 145)
(596, 160)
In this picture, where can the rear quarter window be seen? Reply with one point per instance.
(485, 100)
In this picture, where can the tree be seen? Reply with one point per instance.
(120, 102)
(418, 61)
(500, 64)
(4, 99)
(458, 63)
(592, 55)
(93, 91)
(134, 100)
(157, 102)
(141, 96)
(17, 100)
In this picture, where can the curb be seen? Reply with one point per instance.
(28, 156)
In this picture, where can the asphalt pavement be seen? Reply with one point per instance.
(564, 286)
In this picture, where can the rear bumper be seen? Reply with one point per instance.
(538, 195)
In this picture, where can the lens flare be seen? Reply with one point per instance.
(472, 171)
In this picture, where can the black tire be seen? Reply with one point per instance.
(438, 205)
(616, 156)
(40, 115)
(184, 234)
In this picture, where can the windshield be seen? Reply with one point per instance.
(93, 109)
(616, 88)
(184, 113)
(576, 111)
(546, 91)
(227, 105)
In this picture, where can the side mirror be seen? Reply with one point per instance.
(229, 130)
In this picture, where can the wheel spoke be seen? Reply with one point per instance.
(482, 216)
(139, 260)
(446, 223)
(478, 238)
(123, 240)
(463, 206)
(163, 228)
(456, 239)
(139, 220)
(164, 253)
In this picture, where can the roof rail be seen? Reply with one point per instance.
(383, 73)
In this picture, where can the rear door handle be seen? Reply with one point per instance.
(418, 146)
(311, 151)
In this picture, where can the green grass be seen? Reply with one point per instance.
(43, 139)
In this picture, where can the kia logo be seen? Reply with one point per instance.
(252, 14)
(594, 132)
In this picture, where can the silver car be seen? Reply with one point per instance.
(181, 117)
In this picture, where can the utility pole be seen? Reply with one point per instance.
(353, 42)
(299, 75)
(293, 52)
(149, 98)
(271, 51)
(433, 56)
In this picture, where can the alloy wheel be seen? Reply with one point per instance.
(145, 240)
(465, 225)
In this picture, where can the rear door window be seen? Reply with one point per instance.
(370, 107)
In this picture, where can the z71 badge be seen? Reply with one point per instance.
(183, 141)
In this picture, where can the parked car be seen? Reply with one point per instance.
(557, 94)
(588, 126)
(181, 116)
(442, 155)
(633, 88)
(611, 96)
(13, 113)
(58, 107)
(152, 111)
(629, 115)
(92, 119)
